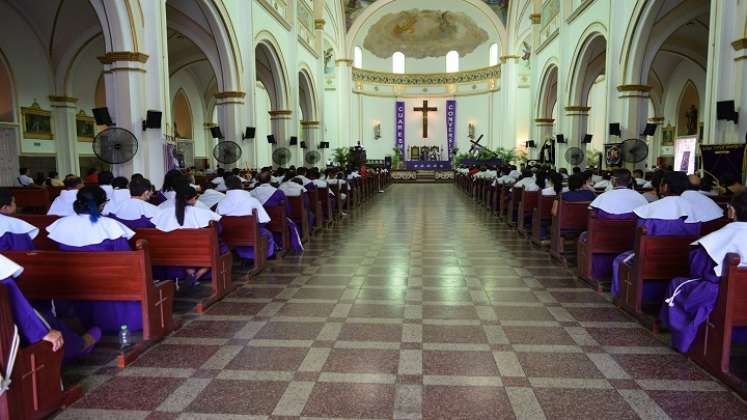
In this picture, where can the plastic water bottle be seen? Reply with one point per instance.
(124, 336)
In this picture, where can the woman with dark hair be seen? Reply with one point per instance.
(576, 192)
(239, 202)
(15, 234)
(89, 230)
(171, 180)
(184, 214)
(105, 182)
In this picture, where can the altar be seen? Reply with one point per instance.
(432, 165)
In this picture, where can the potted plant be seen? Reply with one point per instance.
(341, 156)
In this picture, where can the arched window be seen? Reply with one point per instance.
(398, 62)
(358, 58)
(494, 55)
(452, 62)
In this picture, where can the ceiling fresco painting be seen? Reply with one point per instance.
(424, 33)
(353, 9)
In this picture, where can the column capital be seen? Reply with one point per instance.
(536, 18)
(577, 108)
(544, 120)
(344, 62)
(656, 120)
(310, 124)
(63, 99)
(229, 94)
(319, 23)
(505, 58)
(113, 56)
(280, 114)
(634, 88)
(740, 44)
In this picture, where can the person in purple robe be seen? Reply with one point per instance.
(306, 180)
(185, 214)
(135, 212)
(34, 326)
(241, 203)
(105, 182)
(271, 197)
(15, 234)
(171, 179)
(88, 230)
(692, 299)
(671, 215)
(576, 192)
(616, 204)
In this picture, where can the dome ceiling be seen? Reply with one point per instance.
(424, 33)
(353, 8)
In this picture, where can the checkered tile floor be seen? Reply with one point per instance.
(421, 306)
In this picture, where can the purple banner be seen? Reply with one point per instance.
(399, 128)
(450, 127)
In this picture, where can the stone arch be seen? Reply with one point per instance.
(7, 92)
(308, 99)
(182, 117)
(357, 25)
(271, 70)
(645, 34)
(548, 93)
(589, 62)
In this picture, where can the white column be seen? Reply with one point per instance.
(509, 85)
(310, 135)
(231, 107)
(634, 100)
(344, 104)
(279, 121)
(66, 134)
(654, 145)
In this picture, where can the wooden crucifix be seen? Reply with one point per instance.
(425, 109)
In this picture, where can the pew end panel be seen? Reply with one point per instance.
(35, 391)
(567, 224)
(244, 231)
(711, 348)
(300, 215)
(602, 237)
(279, 224)
(527, 205)
(541, 216)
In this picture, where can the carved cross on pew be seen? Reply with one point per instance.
(159, 304)
(34, 372)
(425, 109)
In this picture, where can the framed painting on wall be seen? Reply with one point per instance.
(37, 123)
(85, 127)
(667, 135)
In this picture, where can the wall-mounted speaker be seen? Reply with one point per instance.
(324, 145)
(650, 130)
(293, 141)
(559, 138)
(587, 139)
(615, 129)
(531, 144)
(249, 133)
(725, 111)
(152, 120)
(216, 133)
(102, 117)
(271, 139)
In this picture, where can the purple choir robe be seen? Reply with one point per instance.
(653, 291)
(141, 223)
(275, 200)
(107, 315)
(16, 242)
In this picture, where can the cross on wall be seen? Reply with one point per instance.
(425, 109)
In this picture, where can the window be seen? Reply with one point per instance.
(358, 58)
(494, 55)
(452, 62)
(398, 62)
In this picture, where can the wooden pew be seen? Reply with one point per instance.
(244, 231)
(713, 225)
(338, 208)
(541, 216)
(712, 346)
(503, 203)
(602, 237)
(31, 200)
(326, 203)
(279, 224)
(513, 206)
(118, 275)
(300, 215)
(40, 221)
(657, 259)
(316, 209)
(34, 391)
(192, 248)
(527, 204)
(567, 224)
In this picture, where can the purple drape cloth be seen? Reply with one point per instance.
(399, 128)
(32, 329)
(16, 242)
(652, 291)
(247, 252)
(695, 299)
(451, 106)
(107, 315)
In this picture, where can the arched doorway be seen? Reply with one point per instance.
(309, 120)
(272, 76)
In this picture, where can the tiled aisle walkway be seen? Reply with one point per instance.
(420, 307)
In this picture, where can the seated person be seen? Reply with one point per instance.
(241, 203)
(605, 183)
(671, 215)
(704, 208)
(24, 178)
(88, 230)
(168, 189)
(105, 182)
(691, 300)
(219, 181)
(575, 193)
(292, 185)
(63, 204)
(731, 185)
(305, 181)
(184, 214)
(619, 202)
(35, 326)
(237, 173)
(211, 197)
(135, 212)
(120, 193)
(53, 180)
(554, 185)
(616, 204)
(15, 234)
(91, 177)
(639, 179)
(654, 183)
(271, 197)
(540, 182)
(527, 179)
